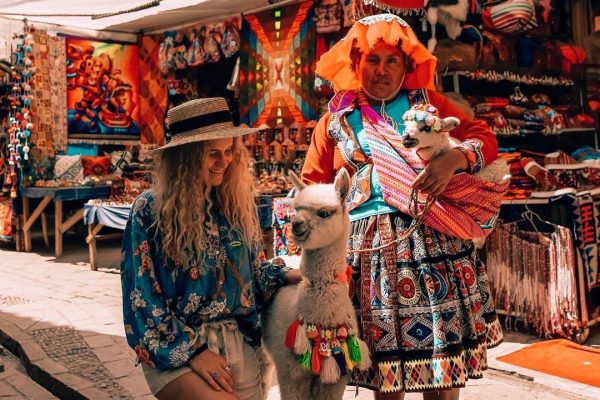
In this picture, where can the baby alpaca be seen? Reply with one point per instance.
(427, 133)
(310, 329)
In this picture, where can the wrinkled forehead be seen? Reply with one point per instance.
(316, 197)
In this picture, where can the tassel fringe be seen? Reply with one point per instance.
(301, 343)
(290, 337)
(304, 360)
(354, 349)
(330, 371)
(365, 361)
(316, 362)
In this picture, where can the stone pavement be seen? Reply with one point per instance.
(64, 323)
(15, 384)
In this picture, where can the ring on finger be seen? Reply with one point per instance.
(227, 368)
(214, 374)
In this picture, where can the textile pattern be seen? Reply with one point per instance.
(277, 63)
(153, 91)
(424, 307)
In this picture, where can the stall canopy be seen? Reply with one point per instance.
(125, 16)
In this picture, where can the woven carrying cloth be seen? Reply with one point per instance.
(467, 208)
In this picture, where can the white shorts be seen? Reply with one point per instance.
(224, 337)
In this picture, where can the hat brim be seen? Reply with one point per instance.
(204, 134)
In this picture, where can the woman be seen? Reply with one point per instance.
(192, 277)
(423, 303)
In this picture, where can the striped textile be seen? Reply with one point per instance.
(467, 209)
(513, 16)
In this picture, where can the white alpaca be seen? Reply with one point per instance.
(429, 134)
(328, 325)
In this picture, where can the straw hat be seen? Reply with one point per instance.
(201, 119)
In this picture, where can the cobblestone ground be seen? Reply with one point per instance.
(14, 382)
(72, 318)
(67, 347)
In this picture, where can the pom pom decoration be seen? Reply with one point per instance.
(329, 352)
(20, 126)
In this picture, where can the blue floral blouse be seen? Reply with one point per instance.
(164, 305)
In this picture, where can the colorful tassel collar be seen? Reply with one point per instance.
(330, 352)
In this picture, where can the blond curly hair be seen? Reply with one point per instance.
(183, 201)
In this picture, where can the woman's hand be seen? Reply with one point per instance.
(214, 370)
(436, 175)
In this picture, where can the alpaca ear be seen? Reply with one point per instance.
(342, 184)
(298, 185)
(449, 123)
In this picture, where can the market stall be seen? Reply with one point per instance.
(80, 109)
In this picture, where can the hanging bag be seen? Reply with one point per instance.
(510, 17)
(230, 44)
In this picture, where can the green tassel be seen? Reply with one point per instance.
(304, 359)
(354, 349)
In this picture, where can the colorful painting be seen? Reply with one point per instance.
(277, 66)
(102, 91)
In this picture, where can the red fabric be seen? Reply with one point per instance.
(323, 160)
(571, 55)
(95, 165)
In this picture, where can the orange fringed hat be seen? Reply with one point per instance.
(336, 64)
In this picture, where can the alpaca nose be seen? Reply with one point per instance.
(298, 225)
(409, 142)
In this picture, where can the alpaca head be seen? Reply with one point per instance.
(321, 215)
(424, 129)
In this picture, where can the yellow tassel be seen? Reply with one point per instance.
(349, 363)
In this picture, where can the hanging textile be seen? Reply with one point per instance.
(583, 211)
(6, 215)
(58, 95)
(153, 91)
(277, 63)
(533, 278)
(283, 212)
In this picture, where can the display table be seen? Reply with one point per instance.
(57, 195)
(96, 217)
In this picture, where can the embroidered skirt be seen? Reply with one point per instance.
(423, 306)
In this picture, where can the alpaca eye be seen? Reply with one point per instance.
(426, 128)
(323, 214)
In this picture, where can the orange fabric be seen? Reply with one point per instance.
(323, 160)
(560, 358)
(336, 64)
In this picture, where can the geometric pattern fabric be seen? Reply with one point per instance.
(153, 91)
(277, 66)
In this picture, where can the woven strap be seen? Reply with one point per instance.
(467, 208)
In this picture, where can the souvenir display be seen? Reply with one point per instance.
(19, 120)
(275, 151)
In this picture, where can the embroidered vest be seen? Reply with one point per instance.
(350, 150)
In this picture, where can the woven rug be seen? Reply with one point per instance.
(560, 358)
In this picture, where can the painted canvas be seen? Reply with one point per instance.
(102, 91)
(277, 66)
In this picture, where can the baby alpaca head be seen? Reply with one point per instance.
(321, 215)
(425, 130)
